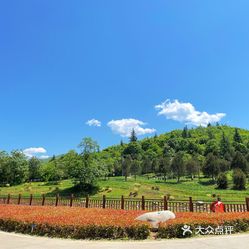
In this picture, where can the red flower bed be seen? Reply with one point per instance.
(174, 228)
(69, 216)
(215, 218)
(105, 223)
(78, 223)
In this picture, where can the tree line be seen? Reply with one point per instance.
(210, 151)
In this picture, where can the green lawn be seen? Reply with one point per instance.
(116, 186)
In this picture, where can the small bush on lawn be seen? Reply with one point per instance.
(239, 179)
(222, 182)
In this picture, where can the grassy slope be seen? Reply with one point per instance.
(200, 191)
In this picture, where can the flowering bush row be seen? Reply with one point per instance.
(77, 223)
(174, 228)
(81, 223)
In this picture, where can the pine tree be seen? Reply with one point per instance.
(185, 132)
(225, 146)
(211, 166)
(240, 162)
(133, 137)
(237, 138)
(239, 179)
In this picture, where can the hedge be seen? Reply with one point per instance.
(136, 232)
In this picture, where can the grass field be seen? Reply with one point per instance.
(116, 186)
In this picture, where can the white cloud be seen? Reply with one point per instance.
(125, 126)
(36, 151)
(186, 112)
(94, 122)
(44, 157)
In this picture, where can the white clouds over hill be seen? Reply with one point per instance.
(125, 126)
(38, 152)
(186, 113)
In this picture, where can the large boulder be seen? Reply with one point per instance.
(155, 218)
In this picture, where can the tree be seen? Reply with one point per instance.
(240, 162)
(212, 147)
(239, 179)
(126, 166)
(192, 167)
(225, 146)
(5, 172)
(164, 166)
(86, 172)
(222, 182)
(237, 138)
(18, 167)
(178, 165)
(224, 165)
(211, 166)
(146, 164)
(88, 146)
(134, 150)
(155, 165)
(49, 171)
(135, 168)
(34, 168)
(185, 132)
(133, 137)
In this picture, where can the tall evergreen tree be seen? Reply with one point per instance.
(239, 162)
(121, 143)
(211, 166)
(237, 138)
(225, 146)
(185, 133)
(133, 137)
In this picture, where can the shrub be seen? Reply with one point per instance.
(239, 179)
(222, 182)
(77, 223)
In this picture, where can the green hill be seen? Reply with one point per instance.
(181, 163)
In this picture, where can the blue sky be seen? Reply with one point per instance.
(63, 63)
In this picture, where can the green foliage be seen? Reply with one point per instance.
(34, 168)
(88, 146)
(240, 162)
(211, 167)
(178, 165)
(13, 168)
(208, 150)
(239, 179)
(237, 138)
(222, 181)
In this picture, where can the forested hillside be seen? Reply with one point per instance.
(209, 152)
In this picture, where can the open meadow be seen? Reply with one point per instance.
(116, 186)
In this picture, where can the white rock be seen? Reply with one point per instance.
(154, 218)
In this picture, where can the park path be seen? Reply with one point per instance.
(18, 241)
